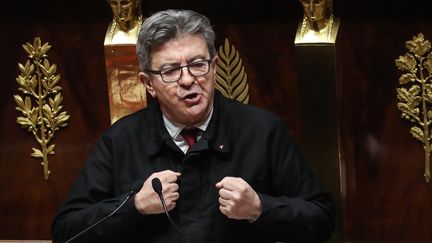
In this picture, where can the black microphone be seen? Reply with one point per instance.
(157, 187)
(134, 189)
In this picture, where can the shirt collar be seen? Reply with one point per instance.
(174, 128)
(217, 127)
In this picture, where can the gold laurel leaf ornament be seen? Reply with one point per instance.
(231, 78)
(40, 103)
(415, 93)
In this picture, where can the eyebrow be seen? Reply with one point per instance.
(174, 64)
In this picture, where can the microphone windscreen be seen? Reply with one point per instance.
(136, 187)
(157, 185)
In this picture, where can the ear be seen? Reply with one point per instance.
(215, 62)
(146, 80)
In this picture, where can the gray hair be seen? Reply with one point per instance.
(167, 25)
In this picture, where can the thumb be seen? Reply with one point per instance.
(219, 185)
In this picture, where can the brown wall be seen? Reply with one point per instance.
(385, 195)
(385, 198)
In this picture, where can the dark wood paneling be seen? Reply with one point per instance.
(268, 65)
(27, 201)
(385, 198)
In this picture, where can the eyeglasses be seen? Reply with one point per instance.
(174, 74)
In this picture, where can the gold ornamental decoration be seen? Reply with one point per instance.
(231, 78)
(41, 101)
(415, 95)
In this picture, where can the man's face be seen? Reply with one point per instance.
(122, 9)
(189, 100)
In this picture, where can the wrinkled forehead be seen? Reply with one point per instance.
(184, 47)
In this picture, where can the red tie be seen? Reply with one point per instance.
(189, 135)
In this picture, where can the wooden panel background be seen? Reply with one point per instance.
(385, 198)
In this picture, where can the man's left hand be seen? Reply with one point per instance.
(238, 200)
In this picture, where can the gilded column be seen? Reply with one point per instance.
(315, 45)
(126, 93)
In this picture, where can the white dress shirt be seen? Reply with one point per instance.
(174, 130)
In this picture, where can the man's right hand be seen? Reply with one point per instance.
(147, 200)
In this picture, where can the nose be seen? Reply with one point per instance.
(312, 8)
(186, 78)
(117, 9)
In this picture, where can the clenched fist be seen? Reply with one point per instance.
(147, 200)
(238, 200)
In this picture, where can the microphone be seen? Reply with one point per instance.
(134, 189)
(157, 187)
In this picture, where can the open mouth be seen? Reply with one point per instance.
(191, 96)
(192, 99)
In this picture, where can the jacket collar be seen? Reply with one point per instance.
(219, 129)
(156, 130)
(217, 137)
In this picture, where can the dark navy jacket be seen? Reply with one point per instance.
(240, 141)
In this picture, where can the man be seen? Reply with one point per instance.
(244, 180)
